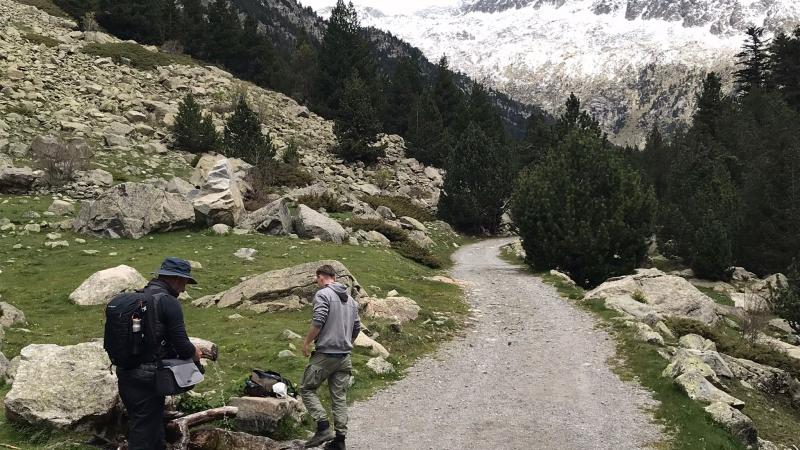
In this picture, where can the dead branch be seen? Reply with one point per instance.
(182, 425)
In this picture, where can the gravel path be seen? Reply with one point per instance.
(531, 373)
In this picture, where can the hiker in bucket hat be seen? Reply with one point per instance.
(137, 388)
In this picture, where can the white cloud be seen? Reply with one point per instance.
(387, 6)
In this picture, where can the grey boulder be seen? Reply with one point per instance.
(273, 219)
(219, 199)
(67, 387)
(101, 286)
(18, 180)
(311, 224)
(282, 289)
(133, 210)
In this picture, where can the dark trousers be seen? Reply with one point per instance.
(145, 408)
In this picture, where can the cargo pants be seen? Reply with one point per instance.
(335, 369)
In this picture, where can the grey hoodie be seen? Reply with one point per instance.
(336, 313)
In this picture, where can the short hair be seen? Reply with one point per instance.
(326, 269)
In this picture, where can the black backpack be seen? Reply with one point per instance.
(261, 381)
(125, 347)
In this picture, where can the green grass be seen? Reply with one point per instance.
(40, 39)
(38, 281)
(47, 6)
(719, 297)
(687, 425)
(136, 55)
(400, 206)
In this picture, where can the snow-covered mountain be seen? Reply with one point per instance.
(634, 63)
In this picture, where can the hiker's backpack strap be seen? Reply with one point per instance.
(156, 332)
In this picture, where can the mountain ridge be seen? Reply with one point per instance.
(634, 63)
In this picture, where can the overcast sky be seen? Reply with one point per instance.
(387, 6)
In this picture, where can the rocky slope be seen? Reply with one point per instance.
(635, 63)
(124, 114)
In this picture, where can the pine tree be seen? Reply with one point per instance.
(448, 97)
(357, 127)
(427, 139)
(243, 138)
(539, 137)
(785, 64)
(754, 60)
(194, 132)
(223, 41)
(574, 118)
(140, 20)
(654, 161)
(584, 211)
(343, 50)
(304, 70)
(406, 85)
(480, 110)
(476, 186)
(706, 119)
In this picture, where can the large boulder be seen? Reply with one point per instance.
(770, 380)
(63, 386)
(375, 348)
(132, 210)
(663, 296)
(397, 309)
(219, 439)
(240, 168)
(18, 180)
(263, 415)
(698, 388)
(282, 289)
(274, 218)
(734, 421)
(4, 366)
(219, 199)
(10, 315)
(311, 224)
(101, 286)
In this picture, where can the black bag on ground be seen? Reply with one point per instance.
(123, 342)
(261, 381)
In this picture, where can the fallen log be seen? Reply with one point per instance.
(181, 426)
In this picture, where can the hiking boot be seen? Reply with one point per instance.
(324, 434)
(336, 444)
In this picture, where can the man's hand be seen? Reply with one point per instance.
(197, 354)
(313, 332)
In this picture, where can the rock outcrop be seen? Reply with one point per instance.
(263, 415)
(397, 309)
(278, 290)
(311, 224)
(664, 296)
(18, 180)
(64, 387)
(274, 219)
(102, 286)
(219, 199)
(133, 210)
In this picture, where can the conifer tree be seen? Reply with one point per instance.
(357, 126)
(706, 119)
(754, 60)
(446, 94)
(574, 118)
(406, 85)
(480, 111)
(304, 72)
(476, 184)
(785, 64)
(584, 211)
(427, 138)
(539, 137)
(655, 161)
(243, 138)
(343, 50)
(194, 132)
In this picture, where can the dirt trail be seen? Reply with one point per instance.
(531, 373)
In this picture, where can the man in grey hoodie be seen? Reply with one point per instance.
(334, 327)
